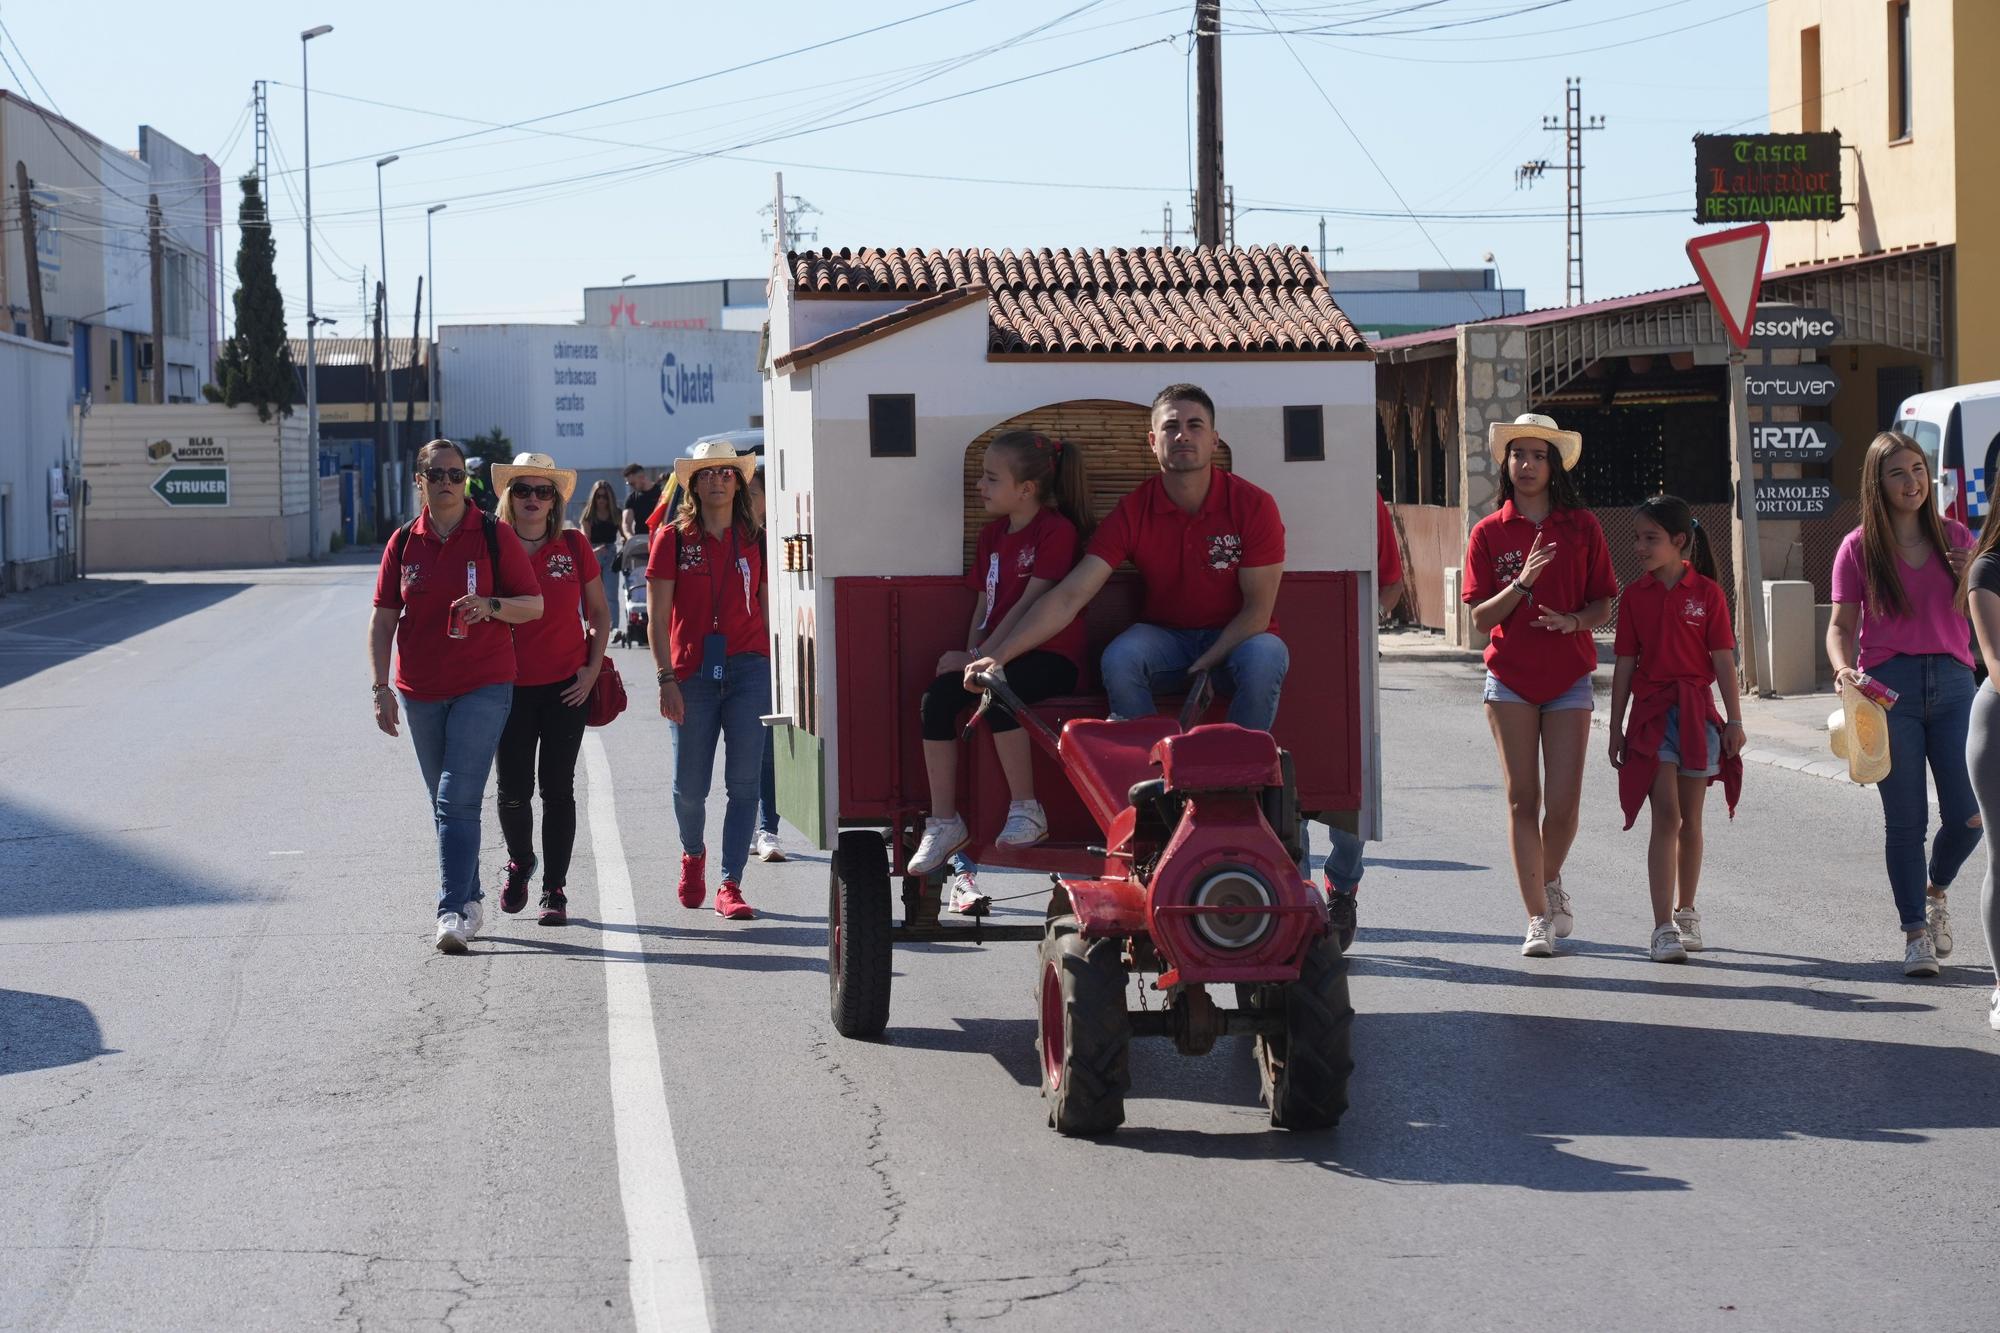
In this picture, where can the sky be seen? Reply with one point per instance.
(1361, 111)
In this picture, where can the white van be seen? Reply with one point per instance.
(1959, 432)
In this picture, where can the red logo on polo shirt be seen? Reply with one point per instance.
(562, 567)
(1225, 551)
(413, 579)
(1507, 564)
(1024, 560)
(692, 556)
(1695, 609)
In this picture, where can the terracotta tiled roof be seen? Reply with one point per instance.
(1153, 301)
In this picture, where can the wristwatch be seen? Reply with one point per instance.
(493, 605)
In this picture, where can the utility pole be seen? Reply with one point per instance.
(312, 312)
(788, 216)
(430, 342)
(158, 264)
(261, 115)
(1208, 110)
(1573, 125)
(379, 362)
(31, 260)
(416, 345)
(1745, 547)
(1229, 216)
(1167, 224)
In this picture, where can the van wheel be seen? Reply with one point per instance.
(859, 942)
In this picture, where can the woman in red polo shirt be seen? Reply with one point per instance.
(705, 581)
(558, 665)
(1538, 577)
(451, 584)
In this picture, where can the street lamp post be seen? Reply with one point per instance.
(1499, 283)
(430, 351)
(382, 244)
(312, 357)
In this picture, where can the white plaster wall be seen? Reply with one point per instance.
(815, 317)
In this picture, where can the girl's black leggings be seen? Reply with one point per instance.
(1034, 676)
(539, 747)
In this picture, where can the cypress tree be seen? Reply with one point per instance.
(256, 362)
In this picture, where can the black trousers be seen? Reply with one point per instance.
(1034, 676)
(539, 747)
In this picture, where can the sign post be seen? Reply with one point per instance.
(1731, 266)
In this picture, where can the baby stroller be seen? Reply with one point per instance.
(633, 626)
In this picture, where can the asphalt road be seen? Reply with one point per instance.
(240, 1090)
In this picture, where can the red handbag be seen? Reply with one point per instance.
(607, 696)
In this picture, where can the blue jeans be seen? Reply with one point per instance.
(455, 740)
(767, 790)
(607, 569)
(1927, 726)
(730, 710)
(1150, 658)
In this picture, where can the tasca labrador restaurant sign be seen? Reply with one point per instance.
(1767, 177)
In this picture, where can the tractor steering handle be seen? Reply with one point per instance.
(1201, 692)
(993, 690)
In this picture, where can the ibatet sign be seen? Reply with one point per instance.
(685, 385)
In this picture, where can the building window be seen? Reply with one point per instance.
(1809, 85)
(892, 425)
(1901, 123)
(111, 360)
(1305, 434)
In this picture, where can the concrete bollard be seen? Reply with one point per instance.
(1791, 659)
(1455, 627)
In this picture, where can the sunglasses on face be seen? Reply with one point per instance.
(521, 490)
(717, 474)
(437, 475)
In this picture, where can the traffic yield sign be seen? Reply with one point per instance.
(1731, 267)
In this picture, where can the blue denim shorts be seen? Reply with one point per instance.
(1670, 746)
(1576, 696)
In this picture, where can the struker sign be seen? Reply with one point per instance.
(1790, 386)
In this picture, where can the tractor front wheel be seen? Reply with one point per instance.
(1083, 1035)
(859, 939)
(1305, 1067)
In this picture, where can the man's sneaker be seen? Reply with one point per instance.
(963, 895)
(1538, 944)
(1027, 825)
(765, 845)
(1668, 946)
(1561, 920)
(694, 880)
(1920, 958)
(555, 908)
(1688, 922)
(1993, 1012)
(515, 896)
(451, 933)
(474, 917)
(941, 838)
(1937, 924)
(1342, 915)
(729, 902)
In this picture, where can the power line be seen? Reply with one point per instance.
(47, 96)
(1540, 55)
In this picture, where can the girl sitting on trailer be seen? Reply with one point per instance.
(1035, 488)
(1674, 637)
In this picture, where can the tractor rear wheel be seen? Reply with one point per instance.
(1083, 1036)
(859, 942)
(1305, 1067)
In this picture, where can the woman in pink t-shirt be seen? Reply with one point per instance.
(1895, 586)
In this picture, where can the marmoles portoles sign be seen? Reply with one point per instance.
(1767, 177)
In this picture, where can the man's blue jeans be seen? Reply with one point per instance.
(1926, 727)
(767, 789)
(730, 710)
(455, 740)
(1150, 659)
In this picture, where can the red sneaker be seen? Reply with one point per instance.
(515, 896)
(729, 903)
(694, 883)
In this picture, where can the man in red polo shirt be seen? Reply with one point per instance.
(1210, 549)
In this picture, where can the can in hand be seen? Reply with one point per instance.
(1872, 688)
(456, 626)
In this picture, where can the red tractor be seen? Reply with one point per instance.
(1197, 881)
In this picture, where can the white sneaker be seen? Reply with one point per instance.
(1920, 958)
(1667, 946)
(1027, 824)
(1538, 944)
(1993, 1012)
(765, 845)
(474, 918)
(1937, 924)
(941, 838)
(1561, 920)
(451, 933)
(1688, 922)
(965, 897)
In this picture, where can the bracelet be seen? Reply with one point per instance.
(664, 675)
(1525, 591)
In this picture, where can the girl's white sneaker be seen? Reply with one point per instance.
(1538, 944)
(1688, 922)
(1027, 824)
(1561, 919)
(1993, 1012)
(941, 838)
(1667, 946)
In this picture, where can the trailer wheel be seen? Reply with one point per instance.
(858, 939)
(1305, 1067)
(1083, 1036)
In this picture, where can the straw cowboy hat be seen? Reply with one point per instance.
(1858, 731)
(1535, 426)
(534, 465)
(713, 453)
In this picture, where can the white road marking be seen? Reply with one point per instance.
(666, 1281)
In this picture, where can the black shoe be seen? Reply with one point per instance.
(515, 896)
(1342, 917)
(555, 908)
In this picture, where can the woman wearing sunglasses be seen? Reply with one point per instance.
(558, 665)
(705, 582)
(452, 583)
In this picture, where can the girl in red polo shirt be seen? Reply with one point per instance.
(1674, 638)
(557, 664)
(1037, 490)
(705, 582)
(1538, 578)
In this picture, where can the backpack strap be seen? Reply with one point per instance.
(401, 542)
(492, 526)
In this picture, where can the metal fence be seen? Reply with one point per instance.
(1618, 525)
